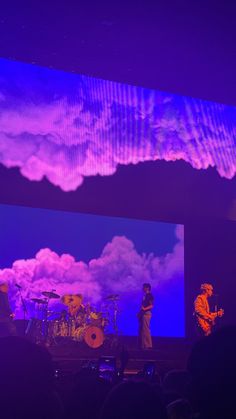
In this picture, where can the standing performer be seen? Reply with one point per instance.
(7, 326)
(144, 317)
(205, 319)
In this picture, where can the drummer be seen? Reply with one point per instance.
(76, 308)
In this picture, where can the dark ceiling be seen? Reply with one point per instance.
(177, 46)
(186, 47)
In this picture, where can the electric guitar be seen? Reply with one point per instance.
(207, 324)
(140, 314)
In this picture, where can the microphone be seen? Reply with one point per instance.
(18, 286)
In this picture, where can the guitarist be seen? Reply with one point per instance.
(144, 317)
(7, 326)
(205, 319)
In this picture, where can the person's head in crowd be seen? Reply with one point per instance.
(87, 394)
(133, 400)
(175, 383)
(212, 368)
(26, 379)
(180, 409)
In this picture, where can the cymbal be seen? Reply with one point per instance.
(39, 300)
(50, 294)
(112, 297)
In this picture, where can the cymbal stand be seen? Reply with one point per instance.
(25, 311)
(45, 331)
(115, 310)
(111, 310)
(114, 337)
(32, 320)
(45, 323)
(216, 308)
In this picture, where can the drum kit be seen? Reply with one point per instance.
(78, 322)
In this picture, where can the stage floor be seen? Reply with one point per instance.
(69, 355)
(167, 354)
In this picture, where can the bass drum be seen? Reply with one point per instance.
(92, 335)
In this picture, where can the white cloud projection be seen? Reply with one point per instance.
(119, 269)
(65, 127)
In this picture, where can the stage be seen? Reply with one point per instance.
(166, 355)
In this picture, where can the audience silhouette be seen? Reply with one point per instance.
(206, 390)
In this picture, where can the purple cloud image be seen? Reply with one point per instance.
(119, 269)
(70, 253)
(66, 127)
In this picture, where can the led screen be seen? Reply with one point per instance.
(65, 127)
(97, 256)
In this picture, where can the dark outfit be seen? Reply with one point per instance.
(7, 326)
(145, 338)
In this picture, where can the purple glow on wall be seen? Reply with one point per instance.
(66, 127)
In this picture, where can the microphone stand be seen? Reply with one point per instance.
(216, 304)
(216, 308)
